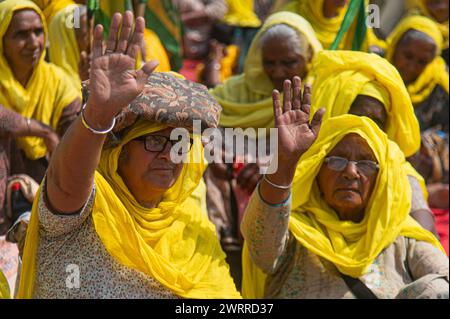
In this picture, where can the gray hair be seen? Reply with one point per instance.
(415, 35)
(284, 32)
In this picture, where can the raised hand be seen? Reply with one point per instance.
(114, 82)
(296, 133)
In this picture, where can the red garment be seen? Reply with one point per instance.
(441, 216)
(189, 69)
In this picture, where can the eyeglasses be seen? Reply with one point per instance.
(157, 143)
(365, 167)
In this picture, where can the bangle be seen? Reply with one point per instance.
(86, 125)
(276, 185)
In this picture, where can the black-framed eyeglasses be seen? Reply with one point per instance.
(157, 143)
(365, 167)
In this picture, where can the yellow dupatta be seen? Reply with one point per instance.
(340, 76)
(419, 6)
(51, 7)
(312, 10)
(435, 72)
(246, 99)
(63, 49)
(47, 93)
(327, 28)
(174, 243)
(154, 50)
(351, 247)
(4, 287)
(241, 13)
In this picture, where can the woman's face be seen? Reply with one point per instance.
(280, 62)
(147, 172)
(348, 191)
(438, 9)
(23, 42)
(371, 108)
(412, 57)
(331, 7)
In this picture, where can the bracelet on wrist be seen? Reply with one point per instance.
(284, 187)
(97, 132)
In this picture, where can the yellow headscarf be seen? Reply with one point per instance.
(47, 93)
(312, 10)
(246, 99)
(435, 72)
(344, 75)
(154, 50)
(327, 28)
(63, 48)
(241, 13)
(174, 243)
(51, 7)
(351, 247)
(419, 6)
(340, 76)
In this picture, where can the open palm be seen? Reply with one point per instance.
(114, 82)
(296, 133)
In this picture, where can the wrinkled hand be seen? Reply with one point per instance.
(114, 82)
(296, 133)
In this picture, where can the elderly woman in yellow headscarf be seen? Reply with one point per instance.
(333, 220)
(414, 48)
(284, 46)
(367, 85)
(120, 217)
(436, 10)
(37, 102)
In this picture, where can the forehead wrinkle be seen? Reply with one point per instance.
(19, 23)
(353, 145)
